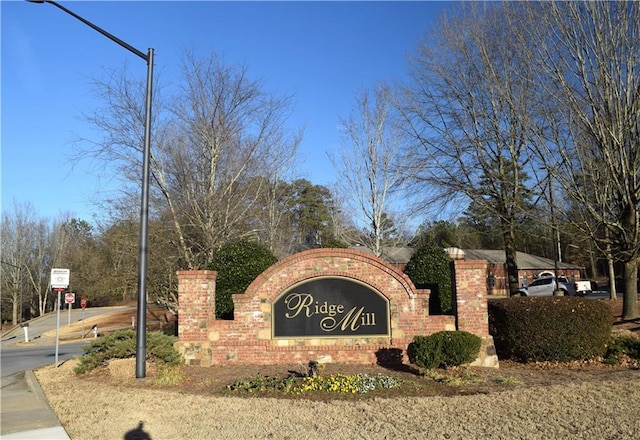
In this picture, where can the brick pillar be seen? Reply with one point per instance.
(471, 303)
(471, 296)
(196, 303)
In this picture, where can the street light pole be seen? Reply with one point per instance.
(141, 329)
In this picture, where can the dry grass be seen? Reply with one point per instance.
(157, 317)
(104, 407)
(577, 401)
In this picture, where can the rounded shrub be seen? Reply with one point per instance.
(430, 268)
(444, 349)
(238, 263)
(122, 345)
(549, 328)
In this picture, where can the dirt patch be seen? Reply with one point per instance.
(459, 381)
(622, 326)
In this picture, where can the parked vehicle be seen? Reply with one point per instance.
(545, 286)
(582, 287)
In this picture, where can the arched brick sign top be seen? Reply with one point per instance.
(345, 263)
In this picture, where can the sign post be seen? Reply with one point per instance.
(25, 327)
(69, 299)
(83, 304)
(59, 283)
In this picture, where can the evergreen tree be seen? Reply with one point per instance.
(430, 268)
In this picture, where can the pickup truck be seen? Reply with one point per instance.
(582, 287)
(545, 286)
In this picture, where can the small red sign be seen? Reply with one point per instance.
(69, 298)
(83, 303)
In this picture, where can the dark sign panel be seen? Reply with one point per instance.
(330, 307)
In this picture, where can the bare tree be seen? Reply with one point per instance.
(17, 240)
(267, 220)
(470, 118)
(212, 139)
(367, 165)
(589, 58)
(230, 131)
(341, 222)
(270, 223)
(28, 255)
(118, 250)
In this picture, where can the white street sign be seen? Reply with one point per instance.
(59, 278)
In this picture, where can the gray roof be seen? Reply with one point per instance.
(401, 255)
(524, 261)
(391, 254)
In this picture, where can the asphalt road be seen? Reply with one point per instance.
(30, 358)
(24, 412)
(20, 355)
(604, 294)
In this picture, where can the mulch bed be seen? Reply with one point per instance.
(215, 380)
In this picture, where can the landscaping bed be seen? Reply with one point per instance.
(578, 400)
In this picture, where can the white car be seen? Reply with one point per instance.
(545, 286)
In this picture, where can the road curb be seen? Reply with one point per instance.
(34, 386)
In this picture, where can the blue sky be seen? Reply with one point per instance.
(323, 52)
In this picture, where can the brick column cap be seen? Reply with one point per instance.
(197, 273)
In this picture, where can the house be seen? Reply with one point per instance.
(529, 266)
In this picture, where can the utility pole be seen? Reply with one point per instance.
(141, 333)
(556, 248)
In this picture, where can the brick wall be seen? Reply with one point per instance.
(247, 339)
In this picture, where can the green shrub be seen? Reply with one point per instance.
(333, 242)
(430, 268)
(238, 263)
(389, 357)
(122, 345)
(554, 329)
(444, 349)
(622, 346)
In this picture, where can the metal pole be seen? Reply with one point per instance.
(556, 246)
(141, 337)
(141, 329)
(20, 281)
(57, 327)
(93, 26)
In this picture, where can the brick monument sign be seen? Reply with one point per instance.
(327, 305)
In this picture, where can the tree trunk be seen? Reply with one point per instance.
(14, 312)
(510, 260)
(612, 278)
(630, 298)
